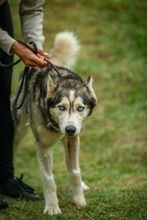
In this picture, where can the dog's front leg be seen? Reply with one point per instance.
(45, 159)
(72, 161)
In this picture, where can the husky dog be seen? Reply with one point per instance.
(55, 107)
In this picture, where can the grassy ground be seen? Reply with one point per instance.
(113, 153)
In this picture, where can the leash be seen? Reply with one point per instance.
(53, 66)
(26, 73)
(35, 51)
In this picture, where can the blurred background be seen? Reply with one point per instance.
(113, 155)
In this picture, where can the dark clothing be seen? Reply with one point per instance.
(6, 124)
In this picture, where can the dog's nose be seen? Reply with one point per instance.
(70, 129)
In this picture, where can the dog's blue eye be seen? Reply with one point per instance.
(61, 107)
(80, 108)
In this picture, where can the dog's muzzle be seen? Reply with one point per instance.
(70, 130)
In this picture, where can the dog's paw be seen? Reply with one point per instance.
(79, 200)
(84, 186)
(52, 210)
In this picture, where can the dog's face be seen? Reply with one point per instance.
(69, 106)
(70, 112)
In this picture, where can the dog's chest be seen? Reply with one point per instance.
(48, 137)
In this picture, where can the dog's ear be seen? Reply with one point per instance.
(88, 84)
(52, 85)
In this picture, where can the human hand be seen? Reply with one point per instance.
(28, 57)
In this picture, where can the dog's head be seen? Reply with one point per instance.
(70, 101)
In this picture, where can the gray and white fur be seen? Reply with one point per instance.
(55, 108)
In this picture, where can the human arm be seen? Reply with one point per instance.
(31, 17)
(10, 45)
(6, 41)
(28, 57)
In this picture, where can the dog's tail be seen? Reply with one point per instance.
(65, 49)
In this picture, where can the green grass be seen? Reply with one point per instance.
(113, 152)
